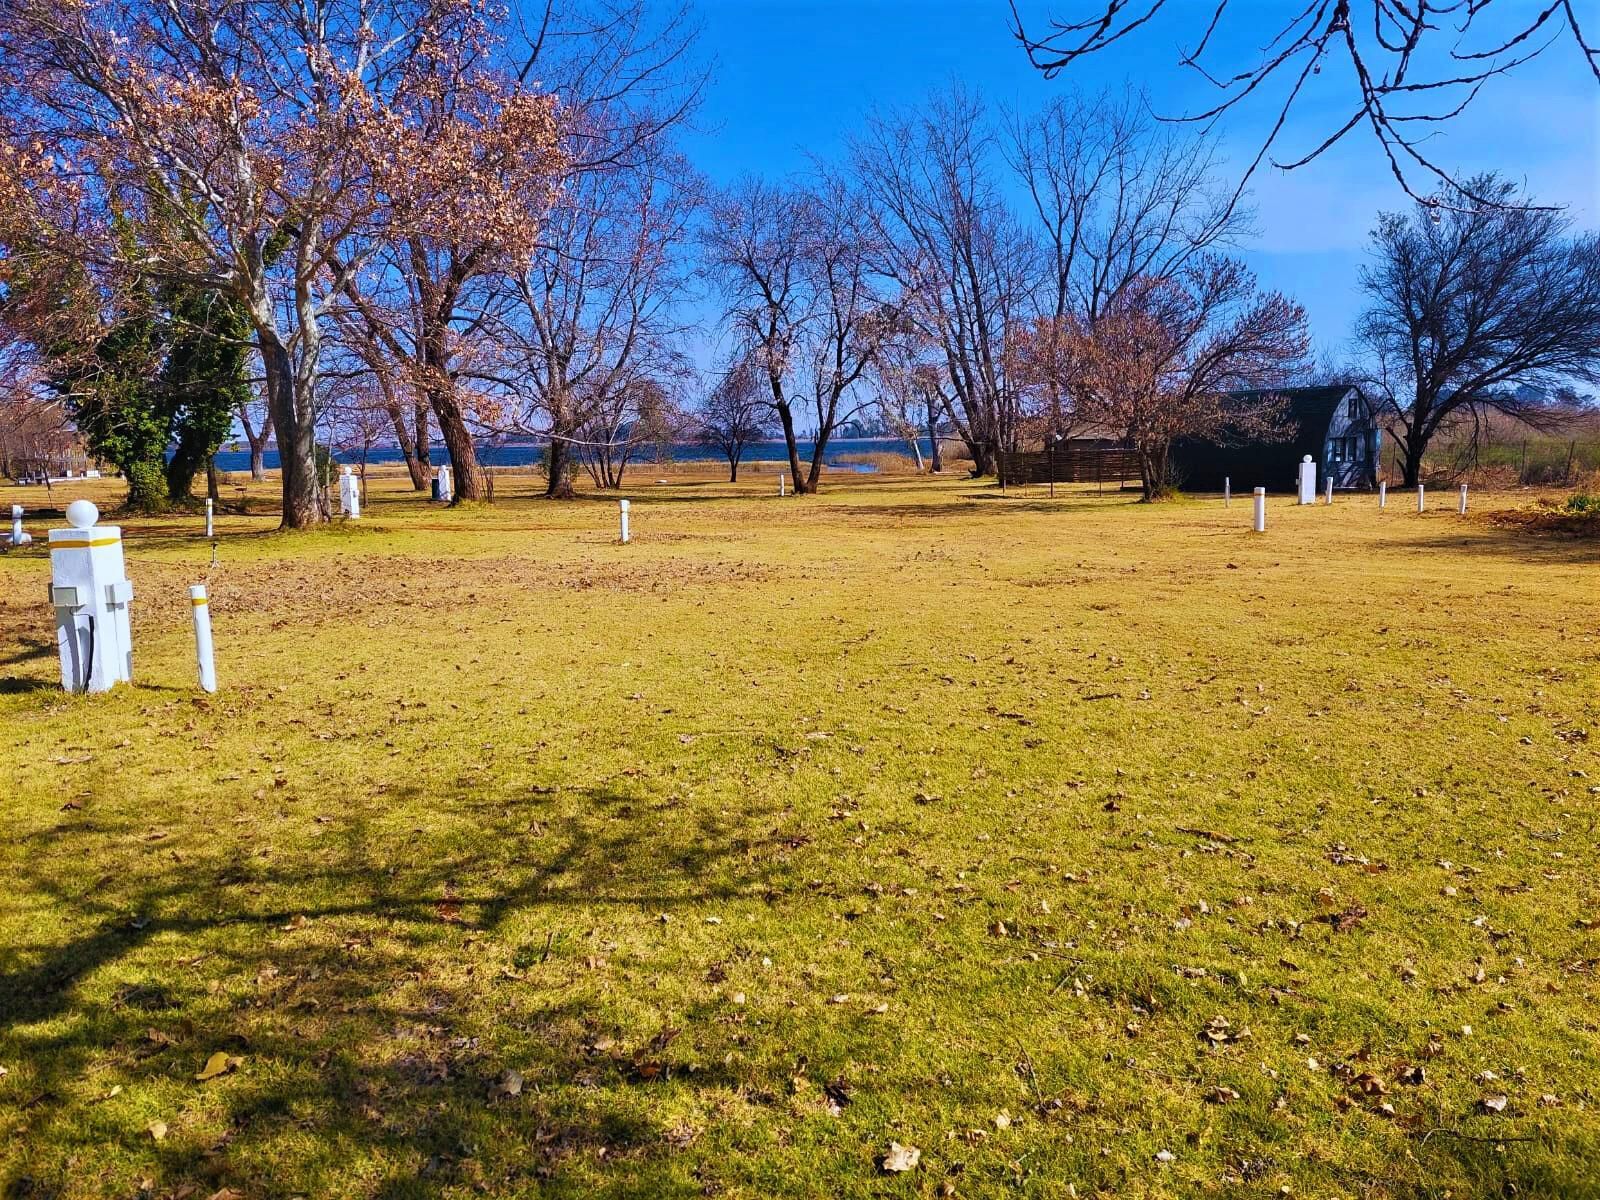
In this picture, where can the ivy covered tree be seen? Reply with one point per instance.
(203, 380)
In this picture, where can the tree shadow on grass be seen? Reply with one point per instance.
(376, 988)
(1531, 546)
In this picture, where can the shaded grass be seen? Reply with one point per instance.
(1051, 783)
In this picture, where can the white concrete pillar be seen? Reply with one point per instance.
(203, 653)
(19, 536)
(622, 517)
(1260, 514)
(1461, 507)
(1227, 492)
(1422, 501)
(211, 529)
(1308, 481)
(90, 592)
(1383, 494)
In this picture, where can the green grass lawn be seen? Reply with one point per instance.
(1079, 844)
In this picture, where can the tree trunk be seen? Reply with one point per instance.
(258, 460)
(1411, 463)
(147, 487)
(559, 467)
(464, 469)
(786, 418)
(288, 395)
(733, 466)
(211, 480)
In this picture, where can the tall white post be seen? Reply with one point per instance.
(783, 484)
(1383, 493)
(1422, 502)
(1461, 507)
(1327, 495)
(211, 529)
(622, 509)
(202, 637)
(1260, 524)
(1227, 491)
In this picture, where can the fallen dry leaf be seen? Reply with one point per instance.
(900, 1158)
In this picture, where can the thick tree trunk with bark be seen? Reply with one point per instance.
(289, 398)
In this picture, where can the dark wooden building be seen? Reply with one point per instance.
(1334, 425)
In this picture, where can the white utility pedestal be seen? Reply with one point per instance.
(447, 485)
(1259, 517)
(19, 535)
(90, 591)
(1227, 491)
(1308, 481)
(1422, 498)
(1461, 507)
(622, 518)
(350, 494)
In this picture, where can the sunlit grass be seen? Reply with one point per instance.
(513, 861)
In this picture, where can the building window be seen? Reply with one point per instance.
(1352, 407)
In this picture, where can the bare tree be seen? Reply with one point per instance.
(1468, 303)
(255, 418)
(1160, 360)
(963, 265)
(1403, 67)
(1117, 199)
(797, 266)
(734, 414)
(595, 314)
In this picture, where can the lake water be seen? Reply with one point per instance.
(527, 456)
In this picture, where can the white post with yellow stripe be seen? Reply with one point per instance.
(90, 591)
(203, 652)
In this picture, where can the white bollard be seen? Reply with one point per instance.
(19, 536)
(1383, 494)
(1327, 495)
(1260, 521)
(1421, 498)
(783, 484)
(1461, 507)
(203, 652)
(211, 529)
(350, 495)
(1227, 492)
(1308, 481)
(90, 591)
(622, 509)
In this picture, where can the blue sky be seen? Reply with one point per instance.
(793, 78)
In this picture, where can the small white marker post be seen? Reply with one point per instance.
(1227, 492)
(211, 529)
(203, 652)
(1327, 495)
(19, 536)
(1260, 522)
(1422, 501)
(783, 484)
(1383, 494)
(622, 511)
(1461, 507)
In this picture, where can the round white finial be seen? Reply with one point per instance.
(82, 514)
(1307, 458)
(347, 470)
